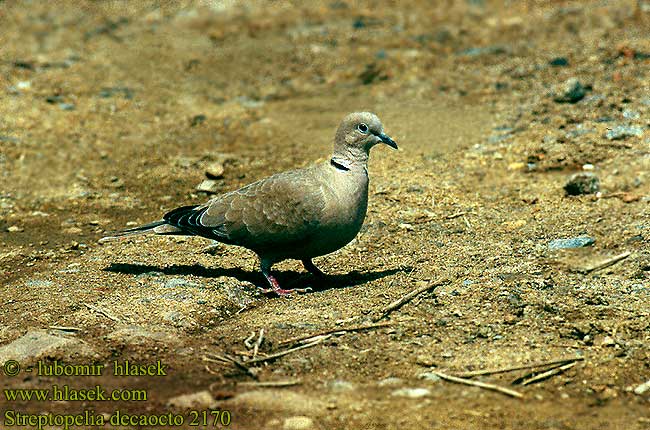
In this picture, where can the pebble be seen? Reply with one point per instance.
(199, 400)
(209, 186)
(570, 243)
(299, 422)
(424, 360)
(621, 132)
(429, 376)
(571, 91)
(559, 62)
(214, 171)
(411, 393)
(582, 183)
(15, 229)
(643, 388)
(390, 381)
(73, 230)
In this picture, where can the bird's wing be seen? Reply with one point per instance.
(283, 209)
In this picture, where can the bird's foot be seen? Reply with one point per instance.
(283, 292)
(276, 289)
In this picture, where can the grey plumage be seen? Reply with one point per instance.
(298, 214)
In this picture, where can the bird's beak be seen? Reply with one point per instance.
(387, 140)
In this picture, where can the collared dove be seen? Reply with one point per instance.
(297, 214)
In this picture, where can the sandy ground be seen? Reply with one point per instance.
(112, 112)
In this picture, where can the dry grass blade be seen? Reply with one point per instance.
(408, 297)
(558, 362)
(608, 262)
(548, 373)
(103, 312)
(228, 359)
(492, 387)
(334, 331)
(288, 351)
(266, 384)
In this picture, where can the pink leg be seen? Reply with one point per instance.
(275, 286)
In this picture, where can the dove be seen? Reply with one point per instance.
(297, 214)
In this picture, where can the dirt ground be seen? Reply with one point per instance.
(111, 113)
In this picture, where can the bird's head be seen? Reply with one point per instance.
(358, 133)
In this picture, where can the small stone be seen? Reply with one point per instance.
(73, 230)
(608, 341)
(390, 381)
(209, 186)
(582, 183)
(199, 400)
(429, 376)
(406, 226)
(643, 388)
(571, 91)
(298, 422)
(570, 243)
(621, 132)
(214, 171)
(559, 62)
(15, 229)
(411, 393)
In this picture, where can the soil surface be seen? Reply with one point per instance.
(113, 112)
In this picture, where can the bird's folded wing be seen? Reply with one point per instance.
(283, 209)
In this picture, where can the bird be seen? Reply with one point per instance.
(296, 214)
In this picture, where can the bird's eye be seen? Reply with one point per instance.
(363, 128)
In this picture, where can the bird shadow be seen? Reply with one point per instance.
(288, 279)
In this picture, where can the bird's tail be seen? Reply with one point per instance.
(157, 227)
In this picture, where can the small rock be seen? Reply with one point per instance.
(582, 183)
(214, 171)
(406, 226)
(621, 132)
(411, 393)
(631, 114)
(66, 106)
(298, 422)
(573, 242)
(571, 91)
(73, 230)
(559, 62)
(209, 186)
(199, 400)
(643, 388)
(15, 229)
(429, 376)
(390, 381)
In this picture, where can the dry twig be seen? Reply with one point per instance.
(257, 345)
(559, 362)
(287, 351)
(228, 359)
(408, 297)
(506, 391)
(288, 383)
(334, 331)
(608, 262)
(548, 373)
